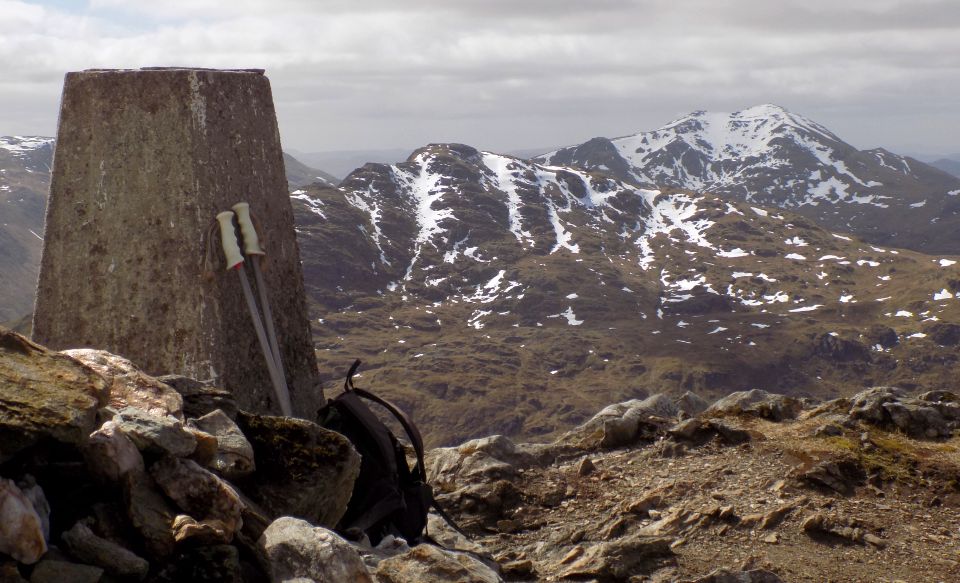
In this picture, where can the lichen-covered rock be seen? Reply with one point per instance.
(303, 470)
(155, 434)
(129, 386)
(757, 403)
(234, 455)
(430, 563)
(201, 494)
(297, 550)
(110, 454)
(86, 546)
(45, 393)
(21, 531)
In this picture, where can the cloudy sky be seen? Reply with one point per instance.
(514, 74)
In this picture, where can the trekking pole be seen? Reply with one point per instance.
(231, 250)
(251, 246)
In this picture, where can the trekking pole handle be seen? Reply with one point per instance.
(228, 239)
(251, 242)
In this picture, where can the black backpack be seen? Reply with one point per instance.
(388, 497)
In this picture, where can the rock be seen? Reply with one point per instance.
(487, 459)
(486, 502)
(430, 563)
(523, 570)
(943, 333)
(34, 493)
(922, 419)
(21, 530)
(939, 397)
(774, 517)
(585, 467)
(9, 573)
(186, 528)
(672, 449)
(83, 544)
(686, 429)
(444, 534)
(626, 423)
(200, 398)
(885, 336)
(234, 454)
(868, 405)
(850, 529)
(207, 445)
(731, 435)
(839, 349)
(643, 505)
(691, 404)
(45, 394)
(757, 403)
(828, 430)
(619, 560)
(889, 406)
(478, 460)
(297, 550)
(842, 477)
(110, 454)
(54, 571)
(155, 434)
(207, 564)
(202, 495)
(725, 575)
(150, 513)
(129, 386)
(303, 469)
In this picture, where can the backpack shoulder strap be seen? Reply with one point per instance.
(408, 425)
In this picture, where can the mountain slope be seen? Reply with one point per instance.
(766, 155)
(24, 182)
(491, 294)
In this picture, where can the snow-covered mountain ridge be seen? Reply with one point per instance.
(486, 291)
(770, 156)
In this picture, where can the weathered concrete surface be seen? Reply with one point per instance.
(145, 159)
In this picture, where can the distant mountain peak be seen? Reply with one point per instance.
(767, 155)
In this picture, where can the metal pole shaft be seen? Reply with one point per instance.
(279, 385)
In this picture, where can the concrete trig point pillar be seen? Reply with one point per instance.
(145, 159)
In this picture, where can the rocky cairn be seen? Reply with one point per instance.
(110, 474)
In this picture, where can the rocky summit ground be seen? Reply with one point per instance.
(839, 493)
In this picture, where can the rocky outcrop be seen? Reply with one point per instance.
(935, 415)
(757, 403)
(296, 550)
